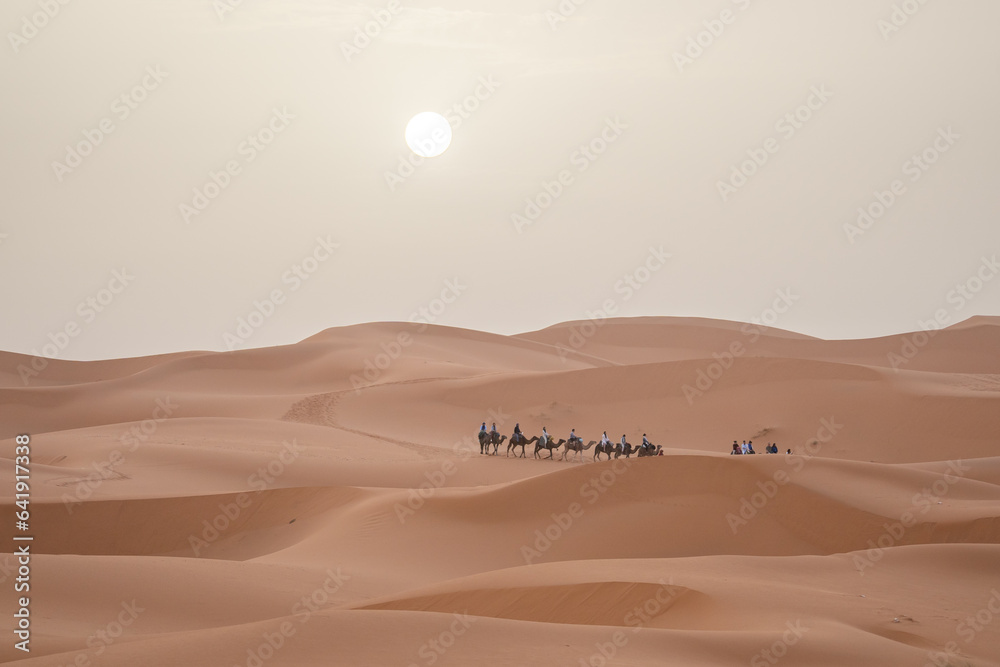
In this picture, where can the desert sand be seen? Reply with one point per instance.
(280, 507)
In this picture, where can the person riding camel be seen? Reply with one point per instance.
(517, 429)
(494, 429)
(646, 444)
(573, 437)
(624, 443)
(545, 437)
(604, 439)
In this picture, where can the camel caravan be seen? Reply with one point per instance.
(572, 445)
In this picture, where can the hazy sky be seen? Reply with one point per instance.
(833, 100)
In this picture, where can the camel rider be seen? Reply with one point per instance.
(493, 430)
(482, 429)
(623, 441)
(646, 443)
(545, 437)
(604, 439)
(517, 429)
(572, 436)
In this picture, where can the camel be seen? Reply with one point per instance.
(646, 451)
(604, 449)
(627, 451)
(576, 445)
(552, 445)
(496, 441)
(518, 440)
(487, 438)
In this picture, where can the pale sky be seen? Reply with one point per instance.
(198, 81)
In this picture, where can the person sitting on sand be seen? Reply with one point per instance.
(750, 448)
(789, 451)
(736, 449)
(743, 448)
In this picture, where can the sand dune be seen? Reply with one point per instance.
(327, 503)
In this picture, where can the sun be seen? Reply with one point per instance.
(428, 134)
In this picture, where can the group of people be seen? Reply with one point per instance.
(738, 449)
(646, 444)
(747, 448)
(572, 439)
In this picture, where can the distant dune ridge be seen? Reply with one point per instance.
(326, 502)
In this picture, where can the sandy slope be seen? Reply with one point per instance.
(191, 508)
